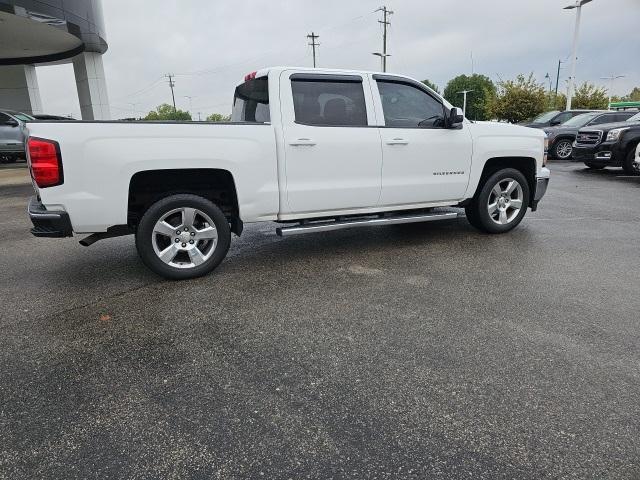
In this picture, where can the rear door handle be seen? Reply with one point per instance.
(398, 141)
(302, 142)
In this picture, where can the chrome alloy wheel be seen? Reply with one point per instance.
(184, 237)
(564, 149)
(505, 201)
(636, 160)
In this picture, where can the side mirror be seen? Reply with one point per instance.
(455, 117)
(11, 123)
(553, 123)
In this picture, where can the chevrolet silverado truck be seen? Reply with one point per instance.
(313, 150)
(610, 145)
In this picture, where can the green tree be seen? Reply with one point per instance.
(556, 102)
(431, 85)
(634, 96)
(167, 112)
(520, 99)
(589, 96)
(218, 117)
(478, 100)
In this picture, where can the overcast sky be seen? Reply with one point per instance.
(211, 45)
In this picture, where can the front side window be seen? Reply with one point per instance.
(251, 101)
(406, 106)
(329, 102)
(603, 119)
(563, 117)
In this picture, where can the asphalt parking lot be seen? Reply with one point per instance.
(420, 351)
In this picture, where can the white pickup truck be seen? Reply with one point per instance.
(310, 149)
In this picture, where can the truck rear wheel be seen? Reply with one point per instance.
(501, 203)
(183, 236)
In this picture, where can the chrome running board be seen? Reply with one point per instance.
(325, 226)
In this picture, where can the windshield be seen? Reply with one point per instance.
(635, 118)
(23, 117)
(580, 120)
(545, 117)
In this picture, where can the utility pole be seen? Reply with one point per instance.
(464, 101)
(172, 84)
(385, 23)
(558, 78)
(611, 78)
(313, 37)
(574, 54)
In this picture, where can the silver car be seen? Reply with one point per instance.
(12, 135)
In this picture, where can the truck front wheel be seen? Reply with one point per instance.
(630, 165)
(501, 202)
(183, 236)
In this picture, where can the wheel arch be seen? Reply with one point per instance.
(217, 185)
(525, 165)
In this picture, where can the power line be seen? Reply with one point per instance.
(313, 37)
(385, 24)
(143, 90)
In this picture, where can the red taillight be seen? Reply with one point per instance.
(46, 162)
(250, 76)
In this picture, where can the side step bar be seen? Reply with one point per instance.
(325, 226)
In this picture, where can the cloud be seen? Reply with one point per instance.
(211, 45)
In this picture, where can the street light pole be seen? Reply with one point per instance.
(190, 103)
(464, 101)
(574, 54)
(611, 78)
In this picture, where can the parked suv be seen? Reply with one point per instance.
(610, 145)
(553, 118)
(561, 137)
(12, 135)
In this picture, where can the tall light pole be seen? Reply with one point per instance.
(190, 102)
(574, 55)
(464, 101)
(611, 78)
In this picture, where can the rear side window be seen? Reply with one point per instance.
(329, 102)
(251, 101)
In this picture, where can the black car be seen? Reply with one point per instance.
(553, 118)
(12, 135)
(561, 137)
(610, 145)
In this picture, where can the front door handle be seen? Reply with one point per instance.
(302, 142)
(398, 141)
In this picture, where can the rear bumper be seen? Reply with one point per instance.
(48, 223)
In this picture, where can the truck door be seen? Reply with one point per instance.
(333, 157)
(423, 160)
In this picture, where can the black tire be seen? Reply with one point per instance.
(478, 212)
(628, 165)
(594, 166)
(145, 236)
(558, 152)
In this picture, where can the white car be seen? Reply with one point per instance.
(311, 149)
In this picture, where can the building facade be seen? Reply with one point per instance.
(44, 32)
